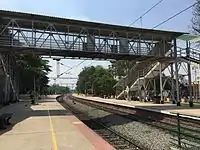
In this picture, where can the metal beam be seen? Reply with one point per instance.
(64, 78)
(45, 35)
(104, 29)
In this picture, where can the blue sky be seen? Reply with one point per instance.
(121, 12)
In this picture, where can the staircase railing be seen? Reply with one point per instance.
(149, 68)
(194, 53)
(134, 76)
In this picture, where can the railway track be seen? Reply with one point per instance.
(188, 131)
(118, 141)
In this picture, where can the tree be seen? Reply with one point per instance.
(97, 81)
(31, 68)
(196, 18)
(196, 25)
(120, 68)
(56, 89)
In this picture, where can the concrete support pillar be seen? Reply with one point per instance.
(57, 68)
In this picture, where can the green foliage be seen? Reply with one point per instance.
(196, 18)
(56, 89)
(120, 68)
(33, 67)
(97, 81)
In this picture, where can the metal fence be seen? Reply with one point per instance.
(186, 133)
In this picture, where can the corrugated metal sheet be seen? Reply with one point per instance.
(123, 45)
(189, 37)
(90, 43)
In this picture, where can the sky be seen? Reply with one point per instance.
(122, 12)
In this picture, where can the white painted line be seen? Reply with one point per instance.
(77, 122)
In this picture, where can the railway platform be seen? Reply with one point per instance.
(184, 109)
(47, 126)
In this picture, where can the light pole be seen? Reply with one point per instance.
(57, 67)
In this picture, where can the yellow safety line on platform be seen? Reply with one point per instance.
(55, 147)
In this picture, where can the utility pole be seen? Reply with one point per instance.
(57, 67)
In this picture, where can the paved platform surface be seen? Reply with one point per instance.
(165, 108)
(47, 126)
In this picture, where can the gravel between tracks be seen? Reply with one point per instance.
(148, 136)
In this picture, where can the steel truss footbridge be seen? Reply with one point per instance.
(28, 34)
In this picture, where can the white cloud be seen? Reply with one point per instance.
(6, 4)
(65, 9)
(73, 72)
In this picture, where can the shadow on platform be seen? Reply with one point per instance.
(23, 110)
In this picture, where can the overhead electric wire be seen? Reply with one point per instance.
(71, 68)
(146, 12)
(64, 65)
(180, 12)
(129, 25)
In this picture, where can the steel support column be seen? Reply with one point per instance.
(57, 68)
(154, 87)
(145, 88)
(139, 89)
(161, 85)
(176, 74)
(172, 81)
(6, 89)
(127, 87)
(189, 74)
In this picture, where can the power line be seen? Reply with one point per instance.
(140, 18)
(76, 66)
(146, 12)
(129, 25)
(72, 67)
(64, 65)
(174, 15)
